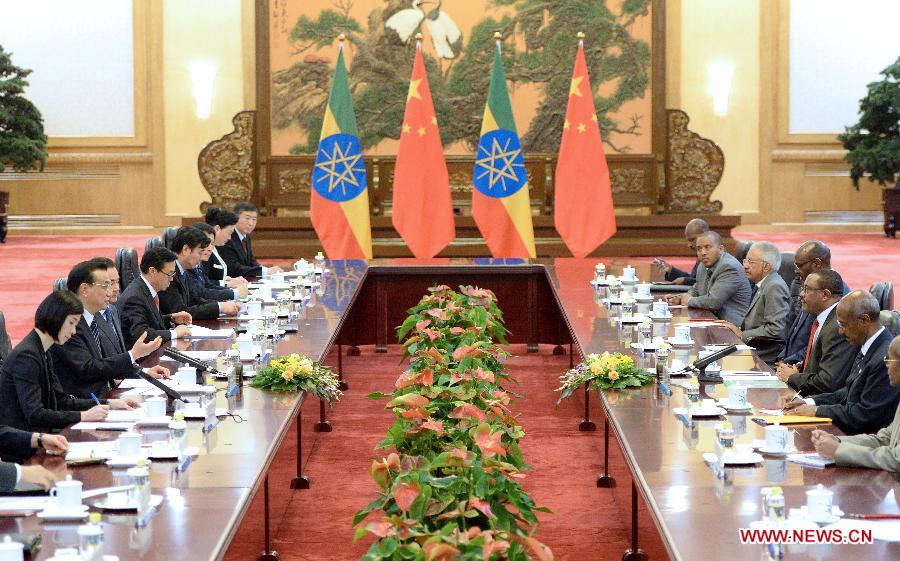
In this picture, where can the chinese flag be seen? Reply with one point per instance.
(584, 215)
(423, 214)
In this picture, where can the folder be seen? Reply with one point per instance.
(791, 420)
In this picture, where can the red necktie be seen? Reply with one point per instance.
(156, 301)
(246, 246)
(809, 346)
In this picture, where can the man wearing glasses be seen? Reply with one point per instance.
(765, 319)
(90, 360)
(829, 355)
(139, 303)
(878, 451)
(809, 258)
(865, 402)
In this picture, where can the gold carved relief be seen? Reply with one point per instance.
(694, 167)
(296, 180)
(226, 165)
(627, 180)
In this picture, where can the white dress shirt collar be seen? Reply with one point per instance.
(88, 317)
(865, 348)
(150, 286)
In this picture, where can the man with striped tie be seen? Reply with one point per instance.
(91, 359)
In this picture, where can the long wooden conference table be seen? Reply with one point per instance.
(544, 302)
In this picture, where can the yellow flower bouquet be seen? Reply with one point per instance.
(295, 372)
(603, 372)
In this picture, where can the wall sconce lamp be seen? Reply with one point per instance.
(720, 74)
(203, 76)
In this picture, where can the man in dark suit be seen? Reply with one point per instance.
(830, 355)
(764, 321)
(238, 252)
(722, 286)
(139, 304)
(187, 246)
(809, 257)
(91, 360)
(17, 445)
(694, 228)
(867, 401)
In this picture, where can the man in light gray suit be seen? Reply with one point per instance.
(722, 286)
(766, 317)
(829, 357)
(878, 451)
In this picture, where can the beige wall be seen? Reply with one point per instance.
(209, 31)
(701, 32)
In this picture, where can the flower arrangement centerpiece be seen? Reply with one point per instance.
(607, 371)
(295, 372)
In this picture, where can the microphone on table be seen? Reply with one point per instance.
(198, 364)
(700, 365)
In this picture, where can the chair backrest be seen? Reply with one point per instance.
(127, 266)
(153, 242)
(5, 343)
(786, 270)
(741, 250)
(891, 321)
(879, 290)
(60, 284)
(168, 235)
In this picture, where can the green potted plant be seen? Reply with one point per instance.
(873, 144)
(23, 144)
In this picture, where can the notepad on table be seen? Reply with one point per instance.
(810, 459)
(792, 420)
(200, 332)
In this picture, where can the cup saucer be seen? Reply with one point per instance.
(725, 404)
(643, 299)
(126, 461)
(836, 514)
(741, 459)
(666, 317)
(53, 512)
(680, 344)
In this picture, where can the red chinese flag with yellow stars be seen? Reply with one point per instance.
(423, 213)
(583, 214)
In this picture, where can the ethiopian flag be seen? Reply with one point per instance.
(339, 202)
(500, 202)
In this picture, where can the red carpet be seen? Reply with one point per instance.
(587, 523)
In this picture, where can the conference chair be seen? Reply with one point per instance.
(884, 293)
(890, 320)
(742, 249)
(786, 270)
(127, 265)
(153, 242)
(5, 343)
(60, 284)
(168, 235)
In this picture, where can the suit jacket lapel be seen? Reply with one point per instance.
(85, 331)
(109, 337)
(114, 314)
(160, 322)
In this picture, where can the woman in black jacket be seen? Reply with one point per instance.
(31, 397)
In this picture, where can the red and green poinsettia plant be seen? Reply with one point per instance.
(449, 484)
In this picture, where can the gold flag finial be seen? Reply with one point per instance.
(418, 36)
(580, 36)
(498, 36)
(342, 37)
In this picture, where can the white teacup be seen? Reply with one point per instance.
(819, 504)
(776, 438)
(160, 448)
(737, 396)
(186, 375)
(660, 308)
(683, 333)
(117, 499)
(301, 265)
(130, 444)
(253, 307)
(776, 470)
(245, 345)
(12, 551)
(705, 353)
(643, 290)
(67, 493)
(628, 272)
(278, 278)
(265, 292)
(156, 406)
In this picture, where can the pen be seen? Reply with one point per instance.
(665, 389)
(796, 395)
(94, 397)
(874, 516)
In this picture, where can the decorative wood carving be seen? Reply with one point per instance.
(628, 180)
(227, 166)
(694, 166)
(295, 180)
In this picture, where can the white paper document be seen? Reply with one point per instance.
(202, 355)
(101, 425)
(200, 332)
(83, 450)
(883, 530)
